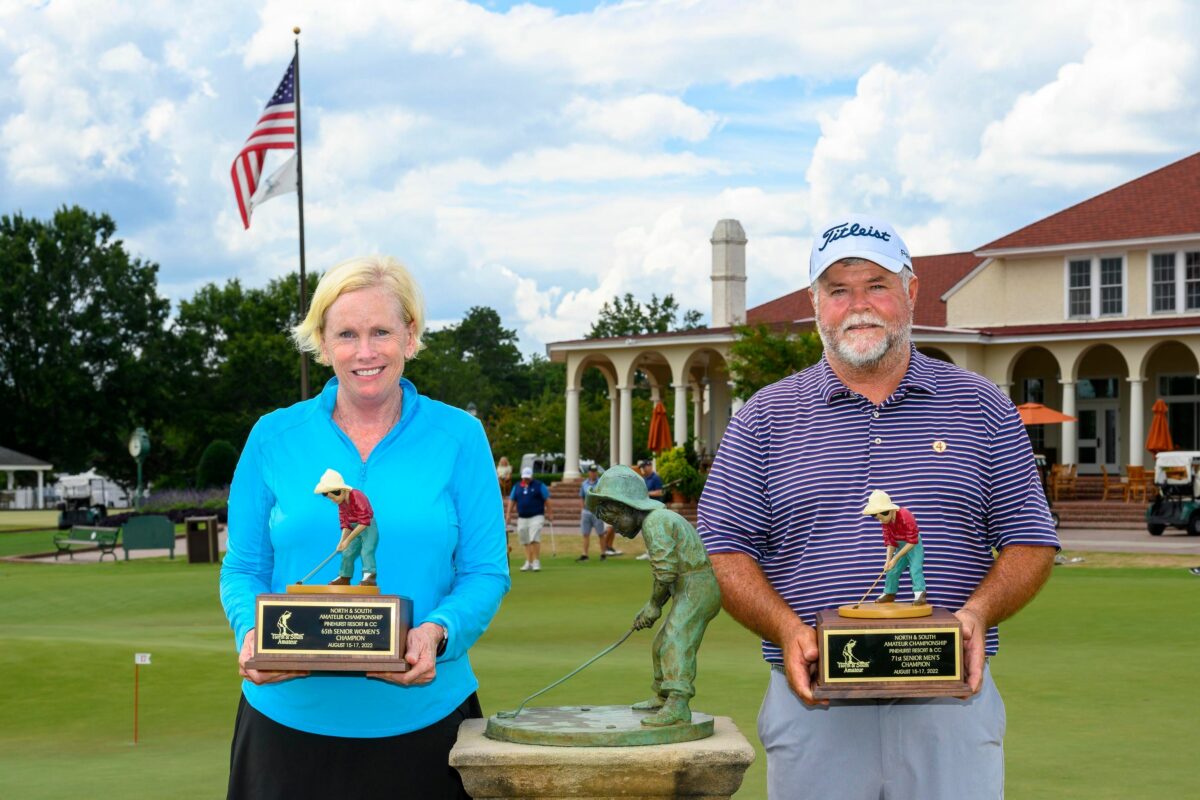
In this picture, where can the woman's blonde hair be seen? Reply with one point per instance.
(349, 276)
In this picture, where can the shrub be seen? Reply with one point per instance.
(683, 479)
(216, 464)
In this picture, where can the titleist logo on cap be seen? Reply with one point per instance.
(844, 229)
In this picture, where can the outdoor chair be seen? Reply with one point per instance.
(1062, 481)
(1115, 485)
(1141, 482)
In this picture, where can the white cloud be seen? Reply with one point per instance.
(644, 118)
(125, 58)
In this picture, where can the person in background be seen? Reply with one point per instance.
(428, 470)
(531, 499)
(588, 521)
(504, 475)
(654, 488)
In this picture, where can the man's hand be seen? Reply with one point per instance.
(800, 661)
(647, 617)
(421, 655)
(974, 638)
(257, 676)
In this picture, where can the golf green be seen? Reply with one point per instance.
(1096, 674)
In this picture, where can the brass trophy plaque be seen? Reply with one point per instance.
(322, 632)
(862, 658)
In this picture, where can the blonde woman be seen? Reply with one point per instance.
(428, 470)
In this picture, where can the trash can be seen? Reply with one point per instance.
(201, 533)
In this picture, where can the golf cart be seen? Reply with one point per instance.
(1177, 476)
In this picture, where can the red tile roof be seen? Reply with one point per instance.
(937, 274)
(1161, 203)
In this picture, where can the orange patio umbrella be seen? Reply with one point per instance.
(1159, 440)
(660, 430)
(1038, 414)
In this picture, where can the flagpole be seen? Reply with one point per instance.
(300, 206)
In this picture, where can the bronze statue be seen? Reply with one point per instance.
(682, 573)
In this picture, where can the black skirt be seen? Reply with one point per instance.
(269, 760)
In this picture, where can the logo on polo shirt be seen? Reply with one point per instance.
(939, 446)
(849, 662)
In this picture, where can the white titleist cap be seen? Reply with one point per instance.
(857, 236)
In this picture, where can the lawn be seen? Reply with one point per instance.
(1097, 675)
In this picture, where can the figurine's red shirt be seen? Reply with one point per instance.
(902, 529)
(355, 510)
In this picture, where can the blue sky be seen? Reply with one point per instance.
(541, 158)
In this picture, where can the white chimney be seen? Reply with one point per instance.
(728, 274)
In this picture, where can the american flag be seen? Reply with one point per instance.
(276, 130)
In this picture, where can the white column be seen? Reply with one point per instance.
(680, 413)
(1137, 433)
(614, 429)
(10, 480)
(655, 395)
(41, 503)
(626, 424)
(571, 468)
(697, 410)
(1070, 430)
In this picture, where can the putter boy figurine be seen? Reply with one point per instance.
(357, 521)
(682, 573)
(899, 526)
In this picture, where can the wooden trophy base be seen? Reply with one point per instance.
(893, 656)
(325, 588)
(880, 610)
(331, 629)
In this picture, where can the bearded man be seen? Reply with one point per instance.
(781, 519)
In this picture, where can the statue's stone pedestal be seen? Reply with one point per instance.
(706, 769)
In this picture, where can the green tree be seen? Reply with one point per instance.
(82, 341)
(474, 361)
(760, 356)
(625, 316)
(233, 361)
(216, 464)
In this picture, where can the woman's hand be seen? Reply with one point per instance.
(421, 655)
(259, 676)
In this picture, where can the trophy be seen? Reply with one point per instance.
(886, 649)
(336, 627)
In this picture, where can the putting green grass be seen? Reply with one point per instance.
(27, 520)
(1099, 675)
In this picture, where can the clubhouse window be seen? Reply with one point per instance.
(1175, 282)
(1096, 287)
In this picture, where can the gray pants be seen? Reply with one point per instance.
(934, 749)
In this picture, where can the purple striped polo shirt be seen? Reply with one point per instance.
(799, 460)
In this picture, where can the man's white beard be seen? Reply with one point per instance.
(896, 336)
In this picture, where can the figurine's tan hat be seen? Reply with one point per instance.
(878, 503)
(331, 481)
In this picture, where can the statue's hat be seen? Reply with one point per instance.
(622, 485)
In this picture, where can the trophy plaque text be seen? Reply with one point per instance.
(862, 658)
(331, 632)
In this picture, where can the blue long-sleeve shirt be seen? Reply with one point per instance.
(441, 543)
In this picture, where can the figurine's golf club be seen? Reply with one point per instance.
(328, 558)
(868, 591)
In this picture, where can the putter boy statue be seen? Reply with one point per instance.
(682, 573)
(357, 521)
(899, 528)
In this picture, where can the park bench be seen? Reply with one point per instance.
(86, 536)
(149, 532)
